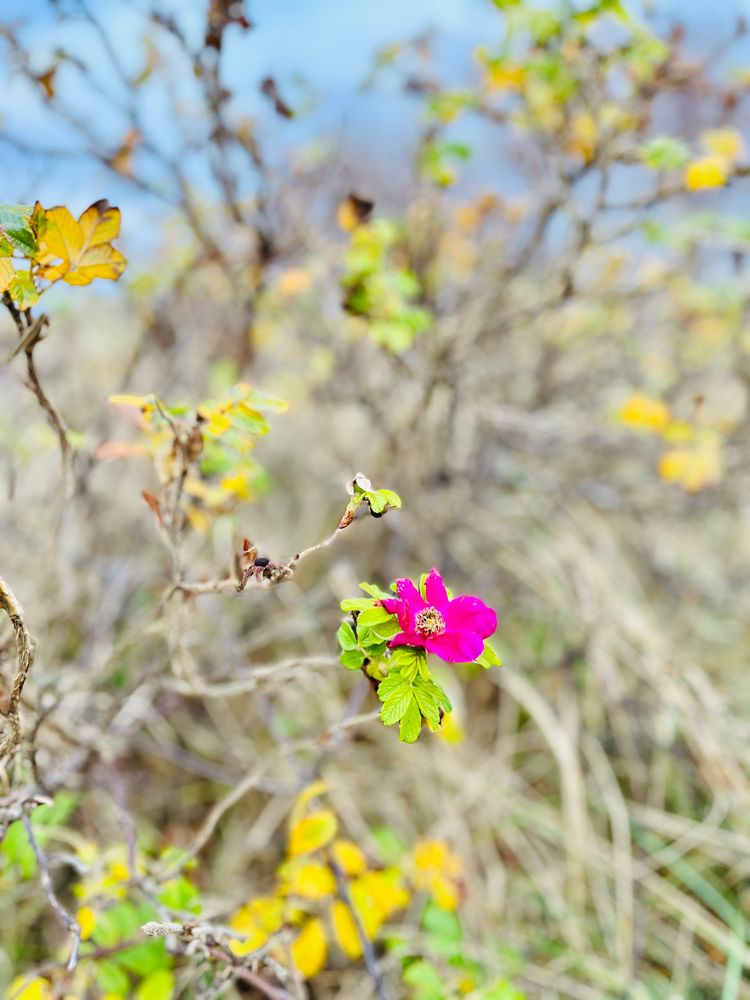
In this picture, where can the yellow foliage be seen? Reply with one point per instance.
(86, 921)
(256, 921)
(348, 856)
(7, 273)
(708, 172)
(692, 468)
(451, 730)
(345, 929)
(310, 949)
(726, 143)
(35, 989)
(310, 880)
(312, 832)
(376, 895)
(437, 869)
(643, 413)
(83, 249)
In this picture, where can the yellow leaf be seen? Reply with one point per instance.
(35, 989)
(376, 895)
(435, 855)
(444, 892)
(7, 273)
(82, 249)
(451, 730)
(312, 832)
(726, 143)
(352, 212)
(238, 486)
(437, 869)
(345, 928)
(310, 950)
(692, 468)
(86, 920)
(506, 76)
(709, 172)
(310, 880)
(314, 790)
(256, 922)
(643, 413)
(348, 856)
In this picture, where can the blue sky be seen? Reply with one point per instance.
(319, 50)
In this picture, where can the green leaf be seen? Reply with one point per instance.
(382, 623)
(180, 894)
(17, 850)
(358, 604)
(489, 658)
(411, 723)
(144, 958)
(397, 705)
(441, 923)
(352, 659)
(664, 153)
(425, 978)
(112, 979)
(346, 637)
(391, 683)
(373, 616)
(409, 661)
(22, 290)
(15, 227)
(427, 702)
(159, 985)
(374, 591)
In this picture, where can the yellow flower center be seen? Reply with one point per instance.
(430, 622)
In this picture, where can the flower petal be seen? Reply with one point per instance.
(472, 615)
(408, 639)
(409, 593)
(455, 646)
(434, 589)
(391, 604)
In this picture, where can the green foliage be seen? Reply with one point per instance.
(380, 290)
(445, 971)
(664, 153)
(362, 493)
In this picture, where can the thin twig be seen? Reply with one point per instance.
(368, 952)
(49, 891)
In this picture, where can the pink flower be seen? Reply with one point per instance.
(453, 630)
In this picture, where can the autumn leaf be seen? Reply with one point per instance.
(708, 172)
(83, 249)
(348, 857)
(345, 928)
(310, 880)
(643, 413)
(7, 273)
(312, 832)
(310, 950)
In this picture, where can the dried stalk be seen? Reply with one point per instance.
(11, 738)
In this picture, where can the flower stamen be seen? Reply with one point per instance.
(429, 621)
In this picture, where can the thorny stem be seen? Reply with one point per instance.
(24, 658)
